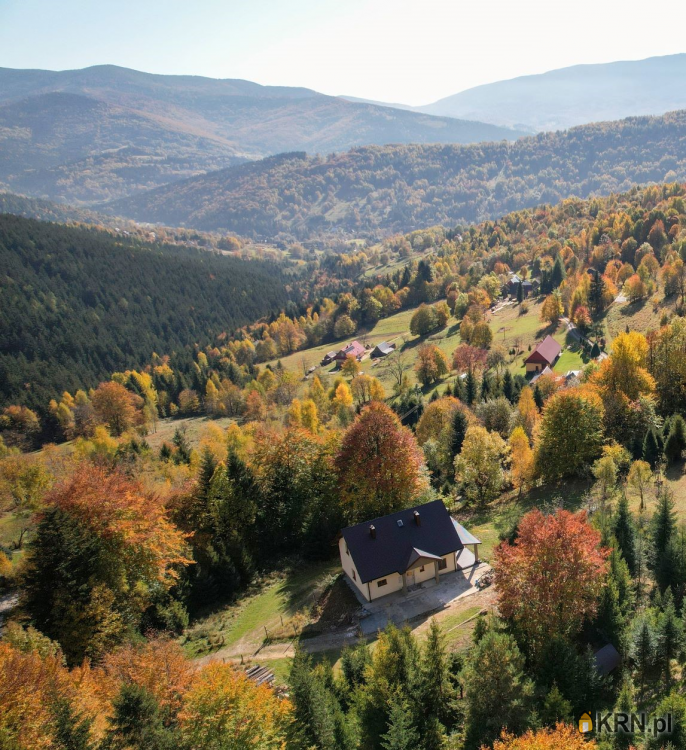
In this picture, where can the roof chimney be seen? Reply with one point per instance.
(417, 518)
(372, 531)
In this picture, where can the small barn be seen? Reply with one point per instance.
(544, 355)
(382, 350)
(328, 358)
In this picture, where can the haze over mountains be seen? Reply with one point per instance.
(104, 132)
(571, 96)
(380, 189)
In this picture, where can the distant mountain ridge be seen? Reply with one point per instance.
(377, 190)
(575, 95)
(91, 135)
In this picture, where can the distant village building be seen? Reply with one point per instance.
(328, 358)
(353, 349)
(513, 283)
(404, 549)
(544, 355)
(382, 350)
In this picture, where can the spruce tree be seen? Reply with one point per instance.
(138, 721)
(675, 443)
(538, 397)
(643, 651)
(625, 533)
(670, 638)
(458, 430)
(316, 708)
(401, 734)
(595, 294)
(556, 708)
(651, 448)
(486, 387)
(470, 388)
(72, 731)
(520, 293)
(558, 274)
(436, 693)
(508, 387)
(665, 557)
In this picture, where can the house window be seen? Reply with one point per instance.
(347, 551)
(382, 582)
(421, 570)
(442, 564)
(354, 576)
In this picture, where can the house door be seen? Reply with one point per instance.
(410, 578)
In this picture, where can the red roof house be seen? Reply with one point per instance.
(353, 349)
(544, 355)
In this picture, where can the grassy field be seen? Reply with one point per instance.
(194, 428)
(510, 330)
(276, 608)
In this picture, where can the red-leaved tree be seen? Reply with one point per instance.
(380, 466)
(549, 581)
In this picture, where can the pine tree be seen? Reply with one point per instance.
(72, 731)
(137, 721)
(354, 662)
(435, 690)
(558, 274)
(626, 703)
(316, 708)
(486, 387)
(538, 397)
(595, 294)
(458, 430)
(651, 448)
(508, 387)
(520, 293)
(470, 388)
(670, 638)
(401, 734)
(183, 448)
(643, 651)
(556, 708)
(675, 443)
(625, 533)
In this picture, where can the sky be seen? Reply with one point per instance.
(408, 51)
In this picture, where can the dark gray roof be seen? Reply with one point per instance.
(607, 659)
(396, 545)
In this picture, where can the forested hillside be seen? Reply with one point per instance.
(79, 304)
(574, 482)
(106, 132)
(383, 189)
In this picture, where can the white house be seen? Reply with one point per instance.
(402, 550)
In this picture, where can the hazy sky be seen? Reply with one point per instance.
(412, 51)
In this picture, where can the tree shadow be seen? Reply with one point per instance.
(631, 308)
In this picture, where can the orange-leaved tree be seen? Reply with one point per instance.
(380, 466)
(103, 551)
(563, 737)
(223, 708)
(549, 581)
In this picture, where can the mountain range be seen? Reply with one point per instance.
(92, 135)
(376, 190)
(576, 95)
